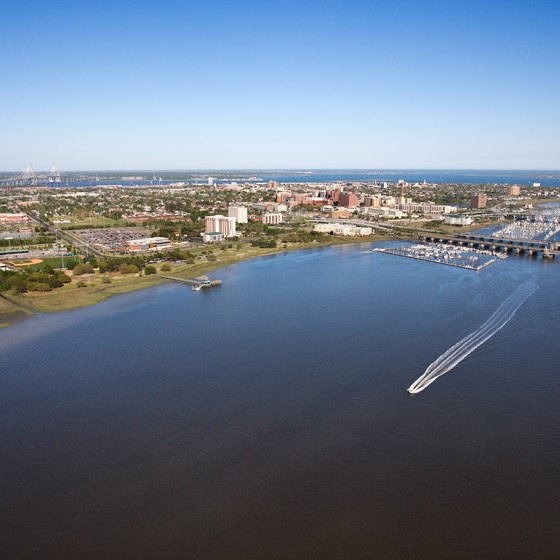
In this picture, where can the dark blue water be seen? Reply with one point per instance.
(269, 418)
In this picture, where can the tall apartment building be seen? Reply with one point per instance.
(239, 213)
(479, 200)
(220, 224)
(514, 190)
(347, 200)
(372, 201)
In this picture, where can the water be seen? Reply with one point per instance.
(269, 418)
(485, 176)
(546, 178)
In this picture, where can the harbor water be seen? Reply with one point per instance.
(270, 418)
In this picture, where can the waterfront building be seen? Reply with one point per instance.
(479, 200)
(458, 220)
(425, 208)
(220, 224)
(239, 213)
(347, 230)
(272, 218)
(213, 237)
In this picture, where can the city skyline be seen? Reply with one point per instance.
(280, 85)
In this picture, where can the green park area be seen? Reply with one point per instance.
(84, 221)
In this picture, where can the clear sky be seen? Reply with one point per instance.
(163, 84)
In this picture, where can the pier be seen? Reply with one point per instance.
(200, 283)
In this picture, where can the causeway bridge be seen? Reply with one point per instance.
(549, 249)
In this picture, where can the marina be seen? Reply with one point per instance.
(459, 257)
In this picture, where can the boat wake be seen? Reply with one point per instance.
(459, 351)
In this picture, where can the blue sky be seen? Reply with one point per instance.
(166, 84)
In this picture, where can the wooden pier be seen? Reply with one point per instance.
(200, 283)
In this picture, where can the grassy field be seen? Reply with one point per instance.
(83, 221)
(52, 261)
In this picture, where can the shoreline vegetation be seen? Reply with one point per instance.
(89, 289)
(99, 287)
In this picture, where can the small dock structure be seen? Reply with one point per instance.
(198, 283)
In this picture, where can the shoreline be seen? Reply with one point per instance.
(14, 309)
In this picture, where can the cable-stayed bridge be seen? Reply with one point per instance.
(29, 177)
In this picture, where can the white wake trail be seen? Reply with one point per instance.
(459, 351)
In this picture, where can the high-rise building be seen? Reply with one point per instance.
(479, 200)
(239, 213)
(373, 201)
(220, 224)
(514, 190)
(348, 200)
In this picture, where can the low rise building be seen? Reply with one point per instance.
(148, 244)
(213, 237)
(425, 208)
(458, 220)
(13, 218)
(384, 212)
(348, 230)
(272, 218)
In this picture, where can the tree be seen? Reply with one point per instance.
(165, 267)
(150, 270)
(128, 268)
(83, 269)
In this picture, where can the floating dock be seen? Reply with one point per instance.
(446, 255)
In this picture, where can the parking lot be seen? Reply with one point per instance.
(110, 239)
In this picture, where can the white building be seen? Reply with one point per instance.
(239, 213)
(458, 220)
(384, 211)
(220, 224)
(425, 208)
(148, 244)
(348, 230)
(214, 237)
(271, 218)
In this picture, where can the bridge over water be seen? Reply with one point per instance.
(549, 249)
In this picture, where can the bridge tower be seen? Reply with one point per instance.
(54, 175)
(28, 175)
